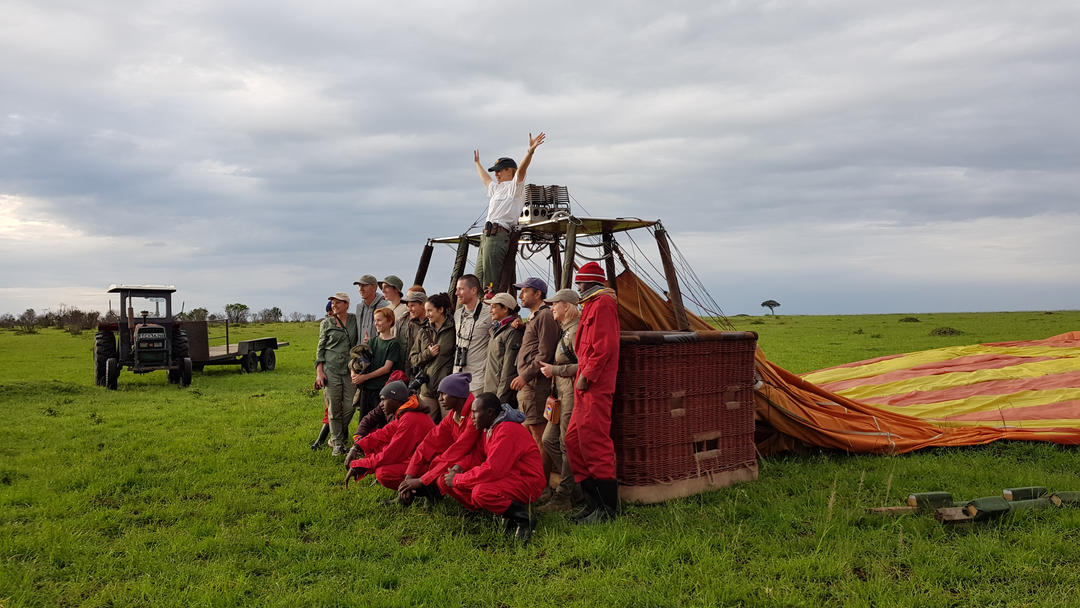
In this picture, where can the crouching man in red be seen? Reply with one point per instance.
(452, 441)
(588, 436)
(511, 472)
(387, 450)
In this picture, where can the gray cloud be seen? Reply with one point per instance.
(271, 155)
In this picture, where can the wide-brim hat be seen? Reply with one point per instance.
(393, 281)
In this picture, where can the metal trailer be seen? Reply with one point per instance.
(251, 355)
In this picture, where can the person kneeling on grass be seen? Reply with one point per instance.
(376, 418)
(387, 450)
(510, 475)
(451, 441)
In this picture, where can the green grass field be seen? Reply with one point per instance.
(209, 496)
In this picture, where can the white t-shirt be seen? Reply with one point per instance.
(507, 199)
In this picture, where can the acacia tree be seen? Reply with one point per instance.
(195, 314)
(772, 305)
(236, 312)
(270, 315)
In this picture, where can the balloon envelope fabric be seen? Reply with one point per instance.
(1029, 385)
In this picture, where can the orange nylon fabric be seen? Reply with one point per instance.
(793, 412)
(642, 309)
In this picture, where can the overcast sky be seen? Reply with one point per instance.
(839, 157)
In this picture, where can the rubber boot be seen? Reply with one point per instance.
(430, 493)
(323, 434)
(592, 500)
(608, 493)
(518, 514)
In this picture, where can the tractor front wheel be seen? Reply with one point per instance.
(112, 373)
(185, 372)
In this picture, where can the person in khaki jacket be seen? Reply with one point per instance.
(502, 348)
(337, 334)
(564, 309)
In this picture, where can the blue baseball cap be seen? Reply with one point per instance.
(535, 283)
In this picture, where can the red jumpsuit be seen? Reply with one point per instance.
(428, 462)
(511, 470)
(387, 450)
(588, 436)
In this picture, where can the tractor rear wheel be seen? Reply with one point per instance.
(180, 346)
(185, 372)
(267, 360)
(112, 373)
(179, 353)
(104, 348)
(250, 362)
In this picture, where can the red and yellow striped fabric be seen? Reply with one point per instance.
(965, 395)
(1005, 385)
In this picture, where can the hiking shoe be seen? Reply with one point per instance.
(558, 502)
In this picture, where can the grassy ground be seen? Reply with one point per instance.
(158, 496)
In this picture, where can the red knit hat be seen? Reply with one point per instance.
(590, 273)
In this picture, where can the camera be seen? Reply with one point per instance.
(419, 380)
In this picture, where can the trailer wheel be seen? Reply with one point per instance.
(185, 372)
(250, 362)
(112, 373)
(267, 360)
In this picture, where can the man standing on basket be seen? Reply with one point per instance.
(588, 436)
(506, 198)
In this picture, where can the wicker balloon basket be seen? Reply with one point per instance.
(683, 413)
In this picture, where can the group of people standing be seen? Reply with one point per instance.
(471, 401)
(486, 405)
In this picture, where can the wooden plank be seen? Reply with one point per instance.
(686, 487)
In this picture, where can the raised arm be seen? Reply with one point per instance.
(480, 168)
(534, 142)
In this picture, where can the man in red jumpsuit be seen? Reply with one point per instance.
(434, 455)
(511, 472)
(387, 450)
(588, 436)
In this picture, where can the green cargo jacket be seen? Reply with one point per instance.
(334, 345)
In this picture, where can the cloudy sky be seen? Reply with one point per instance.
(837, 156)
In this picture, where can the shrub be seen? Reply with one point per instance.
(946, 331)
(909, 320)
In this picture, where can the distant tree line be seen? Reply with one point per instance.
(68, 318)
(74, 320)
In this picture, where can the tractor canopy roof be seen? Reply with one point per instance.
(143, 289)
